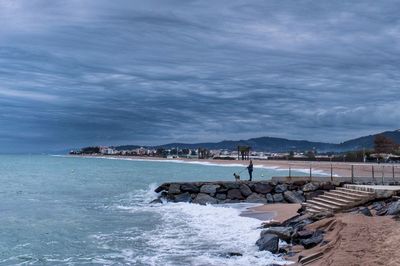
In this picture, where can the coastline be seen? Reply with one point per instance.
(339, 169)
(319, 168)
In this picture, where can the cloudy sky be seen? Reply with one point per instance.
(79, 72)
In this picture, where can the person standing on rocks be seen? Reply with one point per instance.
(250, 169)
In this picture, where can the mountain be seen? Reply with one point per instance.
(367, 142)
(271, 144)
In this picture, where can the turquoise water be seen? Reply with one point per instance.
(92, 211)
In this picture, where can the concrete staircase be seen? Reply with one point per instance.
(339, 199)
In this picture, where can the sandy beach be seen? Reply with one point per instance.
(278, 212)
(355, 239)
(339, 169)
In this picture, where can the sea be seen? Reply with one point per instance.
(63, 210)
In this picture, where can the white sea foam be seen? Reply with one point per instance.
(188, 234)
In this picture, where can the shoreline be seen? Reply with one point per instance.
(299, 166)
(273, 213)
(322, 169)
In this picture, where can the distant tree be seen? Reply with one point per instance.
(90, 150)
(355, 156)
(383, 144)
(310, 155)
(291, 154)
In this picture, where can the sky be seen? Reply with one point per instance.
(78, 73)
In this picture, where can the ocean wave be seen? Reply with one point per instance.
(187, 234)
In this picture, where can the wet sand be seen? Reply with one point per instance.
(278, 212)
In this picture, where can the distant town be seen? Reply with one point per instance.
(384, 150)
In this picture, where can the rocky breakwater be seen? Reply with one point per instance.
(220, 192)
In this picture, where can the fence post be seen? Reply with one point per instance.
(352, 173)
(310, 173)
(393, 171)
(290, 172)
(373, 174)
(383, 173)
(331, 173)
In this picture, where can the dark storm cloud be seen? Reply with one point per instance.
(75, 73)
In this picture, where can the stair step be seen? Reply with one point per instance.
(312, 210)
(361, 192)
(330, 201)
(324, 205)
(354, 195)
(333, 193)
(328, 197)
(315, 207)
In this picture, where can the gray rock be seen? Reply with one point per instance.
(262, 188)
(209, 189)
(163, 187)
(293, 197)
(231, 185)
(156, 201)
(303, 234)
(365, 211)
(245, 190)
(256, 198)
(280, 188)
(234, 194)
(393, 208)
(203, 199)
(312, 241)
(278, 197)
(268, 242)
(283, 233)
(310, 187)
(174, 189)
(184, 197)
(221, 196)
(269, 197)
(234, 254)
(187, 187)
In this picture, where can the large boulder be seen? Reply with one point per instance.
(256, 198)
(280, 188)
(231, 185)
(184, 197)
(174, 189)
(269, 197)
(365, 211)
(221, 196)
(163, 187)
(293, 197)
(278, 197)
(282, 232)
(393, 208)
(209, 189)
(203, 199)
(310, 187)
(263, 188)
(245, 190)
(234, 194)
(191, 188)
(313, 241)
(268, 242)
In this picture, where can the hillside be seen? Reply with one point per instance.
(272, 144)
